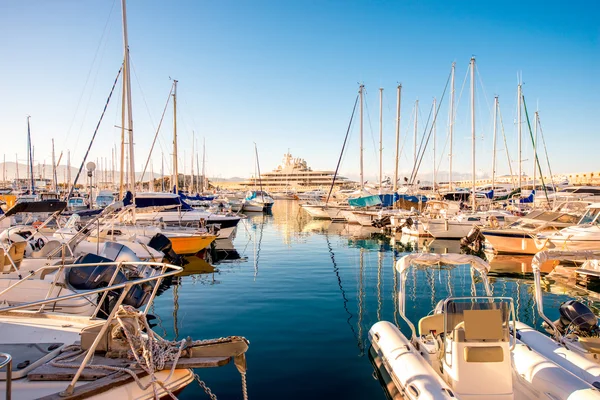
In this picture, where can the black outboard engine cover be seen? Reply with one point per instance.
(93, 277)
(97, 276)
(578, 317)
(162, 243)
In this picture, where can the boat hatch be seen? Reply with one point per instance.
(28, 356)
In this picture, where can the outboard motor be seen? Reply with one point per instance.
(577, 318)
(98, 276)
(474, 239)
(408, 222)
(162, 243)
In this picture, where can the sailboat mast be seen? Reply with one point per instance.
(535, 139)
(30, 152)
(362, 178)
(54, 183)
(415, 135)
(68, 171)
(451, 130)
(519, 99)
(112, 168)
(17, 172)
(494, 144)
(258, 167)
(162, 171)
(198, 184)
(192, 176)
(434, 137)
(399, 90)
(151, 185)
(127, 98)
(203, 163)
(380, 139)
(175, 180)
(4, 170)
(473, 130)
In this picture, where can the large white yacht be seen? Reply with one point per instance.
(294, 173)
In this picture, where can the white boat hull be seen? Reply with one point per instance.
(316, 211)
(448, 229)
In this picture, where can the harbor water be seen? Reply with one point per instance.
(306, 292)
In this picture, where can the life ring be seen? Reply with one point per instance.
(493, 221)
(37, 224)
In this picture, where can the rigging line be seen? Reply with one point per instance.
(95, 132)
(537, 161)
(87, 107)
(443, 154)
(422, 137)
(370, 126)
(512, 177)
(416, 167)
(545, 149)
(342, 152)
(160, 143)
(142, 93)
(90, 70)
(483, 89)
(430, 131)
(156, 135)
(405, 136)
(460, 97)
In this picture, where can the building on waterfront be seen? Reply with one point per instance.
(295, 174)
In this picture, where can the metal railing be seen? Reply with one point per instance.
(8, 364)
(166, 270)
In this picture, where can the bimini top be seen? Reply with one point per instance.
(547, 255)
(44, 206)
(449, 259)
(167, 200)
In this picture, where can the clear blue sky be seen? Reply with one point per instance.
(284, 74)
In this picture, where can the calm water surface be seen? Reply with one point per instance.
(305, 294)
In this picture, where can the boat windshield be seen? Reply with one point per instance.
(76, 201)
(468, 314)
(573, 207)
(590, 216)
(104, 199)
(72, 221)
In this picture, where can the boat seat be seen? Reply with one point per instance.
(483, 325)
(431, 324)
(16, 251)
(591, 344)
(435, 323)
(484, 354)
(5, 267)
(47, 249)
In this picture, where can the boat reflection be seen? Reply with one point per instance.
(515, 264)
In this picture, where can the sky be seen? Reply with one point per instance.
(285, 75)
